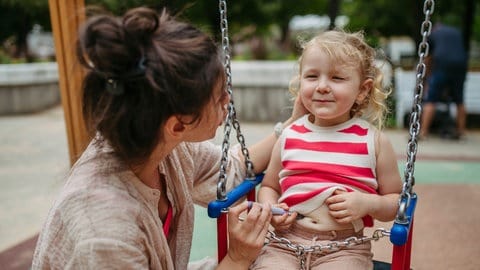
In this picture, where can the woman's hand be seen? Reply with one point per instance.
(247, 237)
(299, 109)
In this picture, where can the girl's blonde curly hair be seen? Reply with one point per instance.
(351, 49)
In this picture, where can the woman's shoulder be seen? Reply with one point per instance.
(99, 196)
(93, 212)
(89, 218)
(97, 188)
(193, 152)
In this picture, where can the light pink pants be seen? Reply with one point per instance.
(278, 257)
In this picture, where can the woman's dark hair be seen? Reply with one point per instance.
(142, 69)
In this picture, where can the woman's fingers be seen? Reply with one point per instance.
(256, 220)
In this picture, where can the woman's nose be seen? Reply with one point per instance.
(225, 104)
(228, 99)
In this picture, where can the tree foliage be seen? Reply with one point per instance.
(256, 18)
(17, 18)
(403, 18)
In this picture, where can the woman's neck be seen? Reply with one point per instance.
(148, 172)
(149, 175)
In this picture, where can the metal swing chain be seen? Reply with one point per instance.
(231, 119)
(414, 130)
(302, 250)
(407, 191)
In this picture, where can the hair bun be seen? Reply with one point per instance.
(140, 22)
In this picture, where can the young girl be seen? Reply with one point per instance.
(333, 168)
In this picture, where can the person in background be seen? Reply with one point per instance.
(333, 169)
(446, 72)
(153, 95)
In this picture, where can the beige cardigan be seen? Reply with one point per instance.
(105, 218)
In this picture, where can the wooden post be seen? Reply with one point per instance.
(66, 17)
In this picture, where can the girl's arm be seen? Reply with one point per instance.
(260, 152)
(389, 181)
(270, 189)
(388, 175)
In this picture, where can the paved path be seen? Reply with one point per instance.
(34, 160)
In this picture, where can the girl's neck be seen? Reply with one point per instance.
(328, 122)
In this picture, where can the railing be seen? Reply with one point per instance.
(26, 88)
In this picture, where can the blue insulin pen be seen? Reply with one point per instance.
(276, 211)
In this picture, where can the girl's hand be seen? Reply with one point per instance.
(247, 237)
(284, 221)
(346, 207)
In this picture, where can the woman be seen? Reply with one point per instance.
(153, 94)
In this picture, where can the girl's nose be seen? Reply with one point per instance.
(323, 87)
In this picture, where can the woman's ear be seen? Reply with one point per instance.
(174, 128)
(365, 89)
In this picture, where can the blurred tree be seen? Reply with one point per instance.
(396, 18)
(17, 18)
(382, 17)
(253, 19)
(246, 19)
(288, 9)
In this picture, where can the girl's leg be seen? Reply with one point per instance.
(358, 257)
(275, 257)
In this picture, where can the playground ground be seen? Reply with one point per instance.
(34, 159)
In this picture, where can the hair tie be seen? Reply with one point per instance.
(114, 86)
(137, 72)
(141, 65)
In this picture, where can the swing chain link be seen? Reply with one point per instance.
(231, 119)
(322, 249)
(414, 129)
(301, 255)
(412, 146)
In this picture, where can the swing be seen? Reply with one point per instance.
(401, 232)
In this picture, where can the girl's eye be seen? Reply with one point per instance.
(338, 78)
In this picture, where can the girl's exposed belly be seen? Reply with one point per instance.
(321, 220)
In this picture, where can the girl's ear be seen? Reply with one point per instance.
(365, 89)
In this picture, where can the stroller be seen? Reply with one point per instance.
(443, 123)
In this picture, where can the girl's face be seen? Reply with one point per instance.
(329, 89)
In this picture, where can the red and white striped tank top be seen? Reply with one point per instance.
(319, 160)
